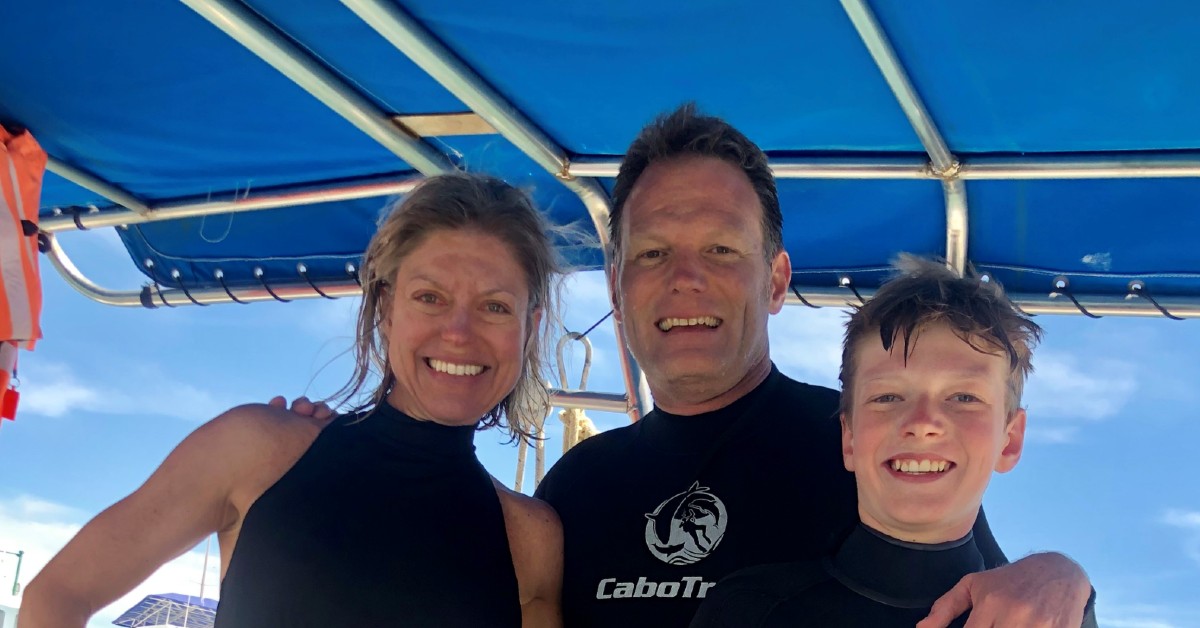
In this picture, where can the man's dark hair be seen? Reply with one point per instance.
(685, 132)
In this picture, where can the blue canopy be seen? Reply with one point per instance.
(170, 609)
(156, 101)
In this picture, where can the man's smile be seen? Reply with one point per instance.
(667, 324)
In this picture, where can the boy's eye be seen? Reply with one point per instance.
(651, 254)
(885, 398)
(965, 398)
(722, 250)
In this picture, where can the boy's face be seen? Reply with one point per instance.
(923, 438)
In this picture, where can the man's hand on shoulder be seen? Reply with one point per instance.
(304, 407)
(1045, 590)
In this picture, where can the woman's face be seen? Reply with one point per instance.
(456, 324)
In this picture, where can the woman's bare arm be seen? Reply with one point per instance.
(188, 497)
(535, 539)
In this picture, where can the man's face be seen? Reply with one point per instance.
(923, 438)
(692, 285)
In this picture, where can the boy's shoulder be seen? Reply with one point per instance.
(749, 596)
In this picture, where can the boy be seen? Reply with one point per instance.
(932, 373)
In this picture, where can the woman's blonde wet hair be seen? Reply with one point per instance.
(455, 202)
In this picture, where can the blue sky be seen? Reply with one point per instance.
(1107, 476)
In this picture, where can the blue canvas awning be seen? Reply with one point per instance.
(161, 104)
(1052, 145)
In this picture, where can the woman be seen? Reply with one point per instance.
(383, 517)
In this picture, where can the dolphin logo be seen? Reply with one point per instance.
(686, 527)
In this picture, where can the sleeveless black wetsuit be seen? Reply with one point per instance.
(872, 581)
(655, 513)
(384, 521)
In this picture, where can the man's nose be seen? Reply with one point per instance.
(688, 273)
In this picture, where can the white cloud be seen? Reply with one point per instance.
(1135, 622)
(1189, 522)
(41, 528)
(807, 343)
(1065, 386)
(333, 320)
(1052, 435)
(54, 390)
(1068, 391)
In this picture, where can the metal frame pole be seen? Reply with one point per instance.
(271, 200)
(881, 50)
(259, 37)
(440, 63)
(955, 192)
(154, 297)
(981, 168)
(97, 185)
(20, 554)
(796, 168)
(1049, 303)
(944, 163)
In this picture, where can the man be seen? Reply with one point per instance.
(737, 465)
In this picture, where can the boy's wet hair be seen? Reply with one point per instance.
(925, 292)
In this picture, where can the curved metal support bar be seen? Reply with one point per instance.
(97, 185)
(65, 267)
(1183, 307)
(411, 38)
(258, 36)
(596, 201)
(981, 168)
(796, 168)
(170, 296)
(1122, 166)
(881, 50)
(956, 225)
(170, 211)
(590, 400)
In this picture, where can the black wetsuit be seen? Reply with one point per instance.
(387, 521)
(654, 514)
(872, 581)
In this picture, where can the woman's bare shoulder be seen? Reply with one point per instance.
(524, 511)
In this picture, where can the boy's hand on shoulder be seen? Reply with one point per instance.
(304, 407)
(1046, 590)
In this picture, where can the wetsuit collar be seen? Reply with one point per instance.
(674, 433)
(899, 573)
(423, 438)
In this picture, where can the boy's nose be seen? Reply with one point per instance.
(924, 420)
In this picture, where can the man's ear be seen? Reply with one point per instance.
(1014, 442)
(614, 288)
(847, 443)
(781, 278)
